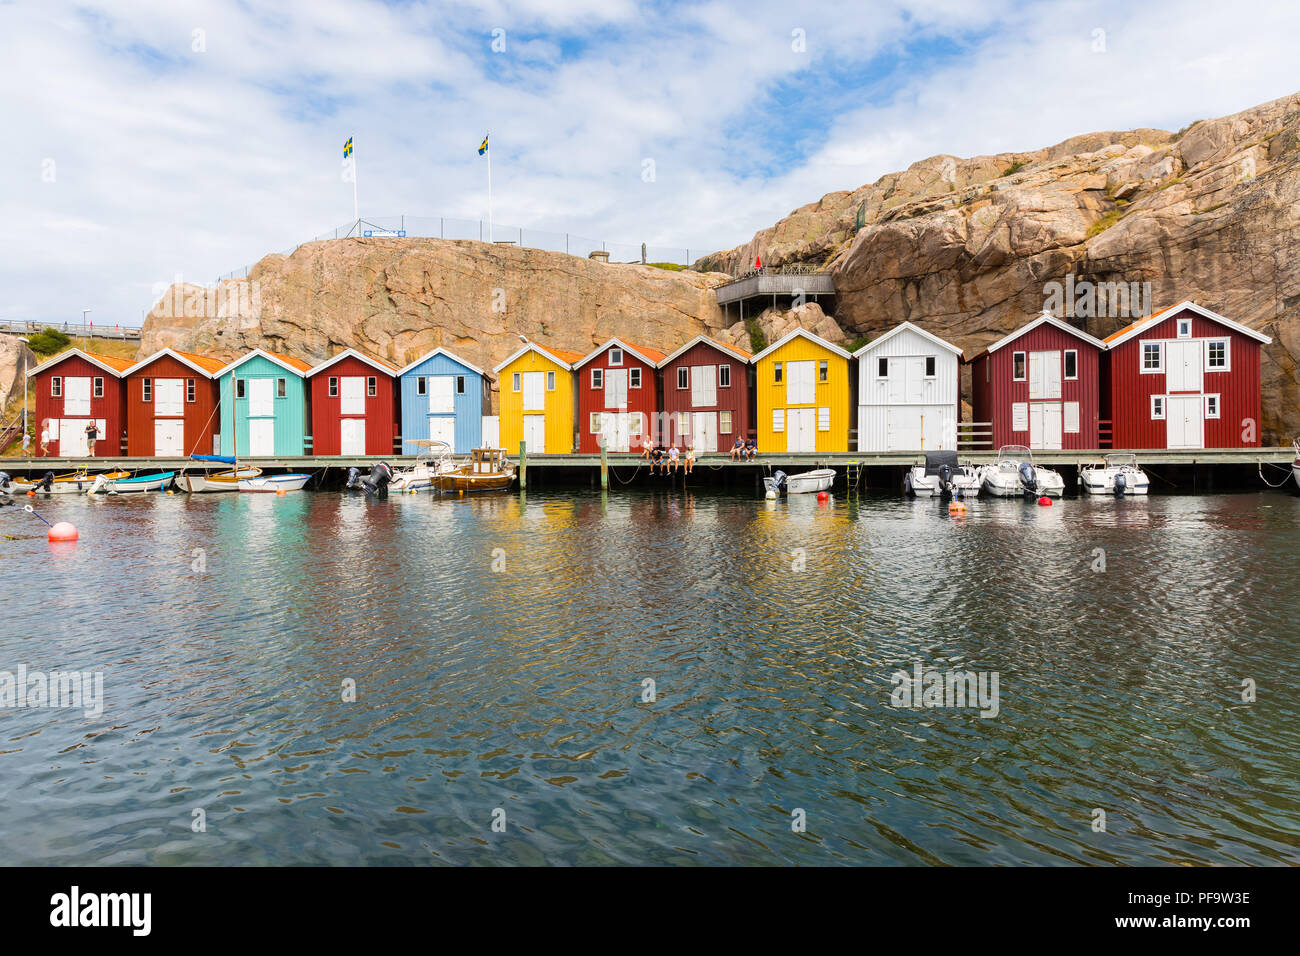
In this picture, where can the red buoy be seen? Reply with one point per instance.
(1045, 501)
(822, 496)
(63, 531)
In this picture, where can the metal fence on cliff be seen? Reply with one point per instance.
(441, 227)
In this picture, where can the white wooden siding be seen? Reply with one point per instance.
(934, 397)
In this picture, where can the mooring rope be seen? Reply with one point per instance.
(1286, 468)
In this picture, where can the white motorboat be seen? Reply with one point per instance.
(434, 460)
(1118, 474)
(76, 483)
(942, 475)
(1295, 465)
(1015, 474)
(819, 479)
(210, 482)
(273, 484)
(104, 485)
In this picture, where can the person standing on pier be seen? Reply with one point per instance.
(92, 435)
(45, 440)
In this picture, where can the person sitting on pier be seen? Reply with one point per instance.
(673, 455)
(738, 449)
(656, 457)
(647, 450)
(689, 461)
(751, 449)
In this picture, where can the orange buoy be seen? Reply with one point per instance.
(1045, 501)
(279, 491)
(956, 508)
(63, 531)
(31, 494)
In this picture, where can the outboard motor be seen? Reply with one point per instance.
(1028, 479)
(5, 489)
(354, 478)
(46, 483)
(1121, 482)
(945, 478)
(376, 483)
(778, 481)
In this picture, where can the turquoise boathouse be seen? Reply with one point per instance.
(264, 406)
(444, 398)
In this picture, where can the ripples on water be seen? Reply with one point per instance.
(522, 689)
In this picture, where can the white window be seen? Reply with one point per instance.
(683, 423)
(56, 387)
(98, 387)
(778, 419)
(823, 372)
(1071, 364)
(634, 378)
(334, 387)
(1216, 355)
(595, 423)
(597, 378)
(724, 376)
(776, 372)
(1153, 357)
(1018, 369)
(515, 383)
(636, 425)
(1157, 407)
(1184, 328)
(189, 390)
(280, 388)
(823, 419)
(1211, 406)
(372, 387)
(239, 388)
(931, 366)
(1020, 416)
(146, 390)
(683, 377)
(724, 422)
(882, 368)
(1071, 416)
(615, 356)
(550, 381)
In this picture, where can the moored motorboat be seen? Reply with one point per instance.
(942, 475)
(1014, 474)
(130, 484)
(220, 481)
(273, 484)
(1295, 464)
(71, 484)
(487, 469)
(1118, 474)
(434, 459)
(819, 479)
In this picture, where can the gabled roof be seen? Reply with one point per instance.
(207, 367)
(353, 353)
(649, 356)
(914, 328)
(738, 353)
(561, 357)
(114, 366)
(442, 351)
(297, 366)
(801, 333)
(1047, 318)
(1133, 328)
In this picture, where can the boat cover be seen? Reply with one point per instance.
(935, 459)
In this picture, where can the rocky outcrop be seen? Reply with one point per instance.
(398, 298)
(771, 325)
(12, 352)
(972, 248)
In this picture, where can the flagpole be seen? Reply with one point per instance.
(356, 216)
(488, 140)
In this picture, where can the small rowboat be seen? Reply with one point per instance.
(105, 485)
(73, 484)
(274, 483)
(218, 482)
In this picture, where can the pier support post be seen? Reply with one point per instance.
(523, 465)
(604, 467)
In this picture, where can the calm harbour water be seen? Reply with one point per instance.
(522, 689)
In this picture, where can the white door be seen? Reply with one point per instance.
(535, 431)
(903, 428)
(352, 395)
(443, 428)
(261, 397)
(534, 392)
(704, 430)
(261, 434)
(704, 386)
(491, 431)
(615, 388)
(352, 436)
(801, 429)
(799, 387)
(169, 437)
(1185, 421)
(168, 397)
(442, 393)
(1183, 366)
(76, 397)
(1044, 374)
(1045, 425)
(615, 428)
(72, 438)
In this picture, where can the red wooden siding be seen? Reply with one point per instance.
(738, 398)
(109, 407)
(993, 391)
(1127, 399)
(644, 399)
(200, 415)
(380, 414)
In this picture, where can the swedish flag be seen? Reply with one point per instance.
(347, 148)
(483, 149)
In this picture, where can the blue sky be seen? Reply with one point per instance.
(154, 138)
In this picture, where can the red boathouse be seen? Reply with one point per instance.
(708, 394)
(1040, 386)
(171, 405)
(352, 406)
(74, 389)
(1184, 377)
(617, 396)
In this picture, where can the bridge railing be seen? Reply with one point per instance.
(75, 329)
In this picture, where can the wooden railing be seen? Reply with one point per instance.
(974, 435)
(1105, 433)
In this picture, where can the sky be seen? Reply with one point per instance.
(147, 140)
